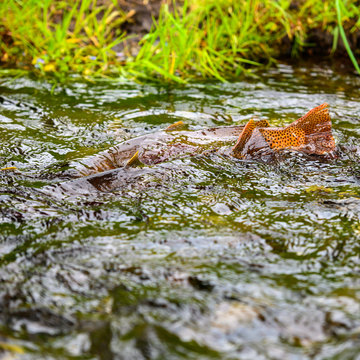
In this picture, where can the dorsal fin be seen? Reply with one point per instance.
(317, 120)
(279, 139)
(176, 126)
(244, 137)
(246, 134)
(134, 161)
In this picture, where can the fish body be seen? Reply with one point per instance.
(129, 161)
(311, 134)
(158, 147)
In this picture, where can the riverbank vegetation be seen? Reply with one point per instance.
(189, 39)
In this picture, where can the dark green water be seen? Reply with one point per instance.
(202, 258)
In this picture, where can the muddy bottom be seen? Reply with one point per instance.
(205, 257)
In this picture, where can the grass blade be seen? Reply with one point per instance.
(344, 39)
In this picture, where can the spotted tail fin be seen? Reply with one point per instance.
(316, 125)
(317, 120)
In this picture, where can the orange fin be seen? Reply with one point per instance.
(310, 134)
(317, 120)
(318, 132)
(246, 134)
(175, 126)
(279, 139)
(134, 160)
(243, 138)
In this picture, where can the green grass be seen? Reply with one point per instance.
(211, 38)
(199, 39)
(343, 36)
(60, 37)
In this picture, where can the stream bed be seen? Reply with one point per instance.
(204, 257)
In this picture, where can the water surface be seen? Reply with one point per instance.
(206, 257)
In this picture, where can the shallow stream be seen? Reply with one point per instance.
(205, 257)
